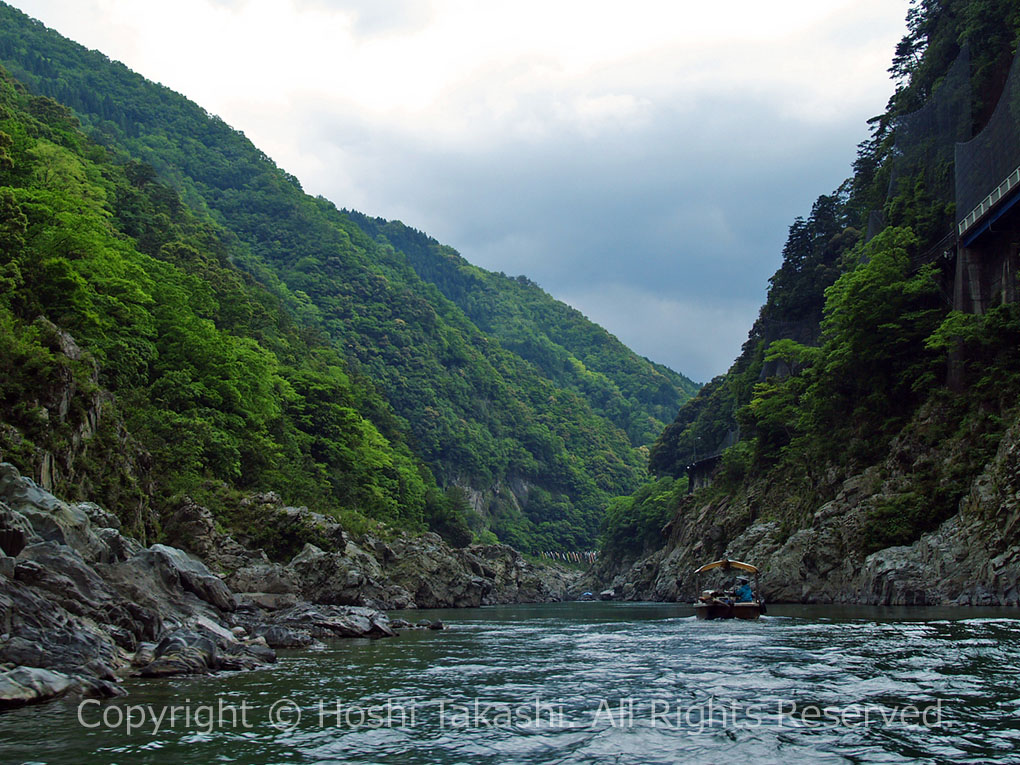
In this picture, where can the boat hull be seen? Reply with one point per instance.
(721, 609)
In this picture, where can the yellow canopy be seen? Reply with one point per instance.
(726, 564)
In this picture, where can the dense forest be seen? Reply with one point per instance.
(135, 353)
(858, 350)
(180, 318)
(572, 352)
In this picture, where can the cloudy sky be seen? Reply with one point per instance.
(641, 161)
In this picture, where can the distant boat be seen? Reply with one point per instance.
(723, 604)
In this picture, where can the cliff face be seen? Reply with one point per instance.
(83, 604)
(317, 561)
(87, 451)
(972, 558)
(875, 461)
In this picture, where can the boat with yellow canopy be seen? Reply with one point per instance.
(740, 602)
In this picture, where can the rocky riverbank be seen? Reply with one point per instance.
(82, 604)
(334, 567)
(972, 558)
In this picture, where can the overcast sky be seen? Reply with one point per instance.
(640, 160)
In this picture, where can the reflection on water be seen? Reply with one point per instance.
(580, 683)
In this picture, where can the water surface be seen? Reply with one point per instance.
(582, 683)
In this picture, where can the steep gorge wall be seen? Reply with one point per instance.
(972, 558)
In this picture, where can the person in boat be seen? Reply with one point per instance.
(743, 592)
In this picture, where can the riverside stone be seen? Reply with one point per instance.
(82, 604)
(30, 685)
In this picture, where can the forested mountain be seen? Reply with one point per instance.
(299, 348)
(635, 394)
(136, 358)
(883, 372)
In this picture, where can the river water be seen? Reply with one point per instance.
(581, 683)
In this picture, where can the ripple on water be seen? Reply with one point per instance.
(632, 683)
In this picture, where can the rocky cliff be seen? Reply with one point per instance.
(332, 566)
(83, 604)
(972, 558)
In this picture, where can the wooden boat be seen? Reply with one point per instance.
(722, 604)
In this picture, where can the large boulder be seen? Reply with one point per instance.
(433, 573)
(514, 579)
(177, 567)
(264, 577)
(352, 577)
(15, 531)
(183, 652)
(50, 518)
(31, 685)
(280, 636)
(80, 602)
(191, 527)
(322, 622)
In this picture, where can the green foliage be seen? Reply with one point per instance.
(447, 514)
(736, 464)
(897, 520)
(211, 377)
(871, 372)
(812, 257)
(486, 537)
(264, 337)
(634, 524)
(637, 395)
(950, 442)
(986, 353)
(793, 354)
(875, 368)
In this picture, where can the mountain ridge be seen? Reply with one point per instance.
(537, 459)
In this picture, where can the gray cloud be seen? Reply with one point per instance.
(642, 169)
(665, 233)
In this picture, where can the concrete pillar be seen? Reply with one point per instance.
(1009, 274)
(958, 291)
(961, 302)
(970, 288)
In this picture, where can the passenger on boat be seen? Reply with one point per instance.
(743, 591)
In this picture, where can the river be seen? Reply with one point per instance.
(581, 683)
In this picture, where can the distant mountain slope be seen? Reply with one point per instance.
(538, 451)
(637, 395)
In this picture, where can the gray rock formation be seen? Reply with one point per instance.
(81, 605)
(973, 558)
(404, 572)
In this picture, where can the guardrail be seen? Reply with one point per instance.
(989, 202)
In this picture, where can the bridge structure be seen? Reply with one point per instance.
(976, 175)
(987, 171)
(979, 174)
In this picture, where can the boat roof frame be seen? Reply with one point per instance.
(725, 564)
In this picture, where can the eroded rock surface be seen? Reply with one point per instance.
(972, 558)
(82, 605)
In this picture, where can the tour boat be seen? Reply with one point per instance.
(722, 604)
